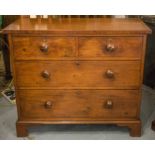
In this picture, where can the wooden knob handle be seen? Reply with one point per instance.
(109, 73)
(45, 74)
(77, 63)
(108, 104)
(48, 104)
(110, 47)
(44, 47)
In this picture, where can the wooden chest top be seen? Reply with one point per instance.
(65, 26)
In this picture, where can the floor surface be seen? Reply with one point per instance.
(8, 118)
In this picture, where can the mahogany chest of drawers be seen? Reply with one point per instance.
(78, 71)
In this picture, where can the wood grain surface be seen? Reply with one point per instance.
(78, 74)
(78, 71)
(78, 104)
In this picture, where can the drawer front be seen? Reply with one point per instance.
(57, 104)
(43, 47)
(110, 47)
(78, 74)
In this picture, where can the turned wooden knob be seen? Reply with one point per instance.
(110, 47)
(45, 74)
(109, 73)
(77, 63)
(44, 47)
(108, 104)
(48, 104)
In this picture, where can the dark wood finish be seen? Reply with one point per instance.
(78, 71)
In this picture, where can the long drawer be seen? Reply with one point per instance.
(112, 74)
(76, 104)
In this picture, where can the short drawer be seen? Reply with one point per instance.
(110, 74)
(43, 47)
(110, 47)
(76, 104)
